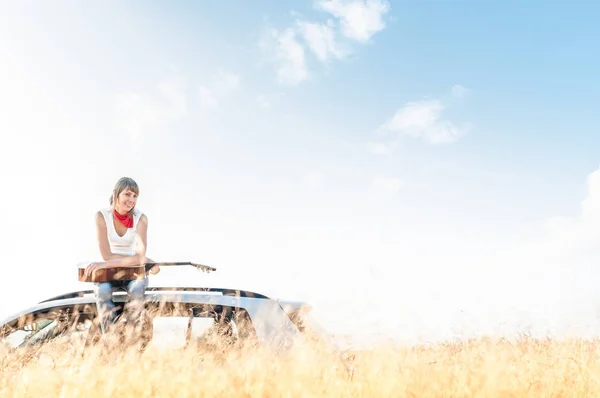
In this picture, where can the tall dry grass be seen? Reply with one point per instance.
(478, 368)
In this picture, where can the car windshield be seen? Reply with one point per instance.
(310, 327)
(27, 332)
(167, 329)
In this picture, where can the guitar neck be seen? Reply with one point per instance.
(200, 267)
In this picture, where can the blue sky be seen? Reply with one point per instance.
(422, 147)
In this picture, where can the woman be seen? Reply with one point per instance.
(122, 239)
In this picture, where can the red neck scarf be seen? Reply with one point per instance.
(125, 219)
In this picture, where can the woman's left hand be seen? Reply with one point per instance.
(155, 270)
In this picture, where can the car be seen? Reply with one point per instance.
(240, 315)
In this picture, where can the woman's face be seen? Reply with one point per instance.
(126, 200)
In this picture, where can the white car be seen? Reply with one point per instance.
(269, 322)
(176, 316)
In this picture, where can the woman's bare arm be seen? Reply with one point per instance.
(142, 237)
(142, 242)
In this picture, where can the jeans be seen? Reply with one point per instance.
(106, 307)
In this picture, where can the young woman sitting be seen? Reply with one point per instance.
(122, 238)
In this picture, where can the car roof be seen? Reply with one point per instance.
(223, 291)
(223, 296)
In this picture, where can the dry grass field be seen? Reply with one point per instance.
(476, 368)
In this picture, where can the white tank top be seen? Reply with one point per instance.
(125, 244)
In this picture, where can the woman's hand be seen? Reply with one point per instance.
(154, 270)
(90, 269)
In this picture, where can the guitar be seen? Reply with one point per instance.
(130, 273)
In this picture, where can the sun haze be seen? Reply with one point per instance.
(414, 170)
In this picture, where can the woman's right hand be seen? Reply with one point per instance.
(90, 269)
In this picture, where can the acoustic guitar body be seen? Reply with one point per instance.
(113, 274)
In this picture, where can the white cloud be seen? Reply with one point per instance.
(422, 119)
(379, 148)
(173, 91)
(387, 184)
(557, 269)
(459, 91)
(569, 234)
(321, 39)
(138, 113)
(545, 286)
(222, 85)
(314, 179)
(267, 100)
(288, 55)
(207, 98)
(590, 208)
(263, 101)
(566, 242)
(359, 19)
(135, 114)
(226, 82)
